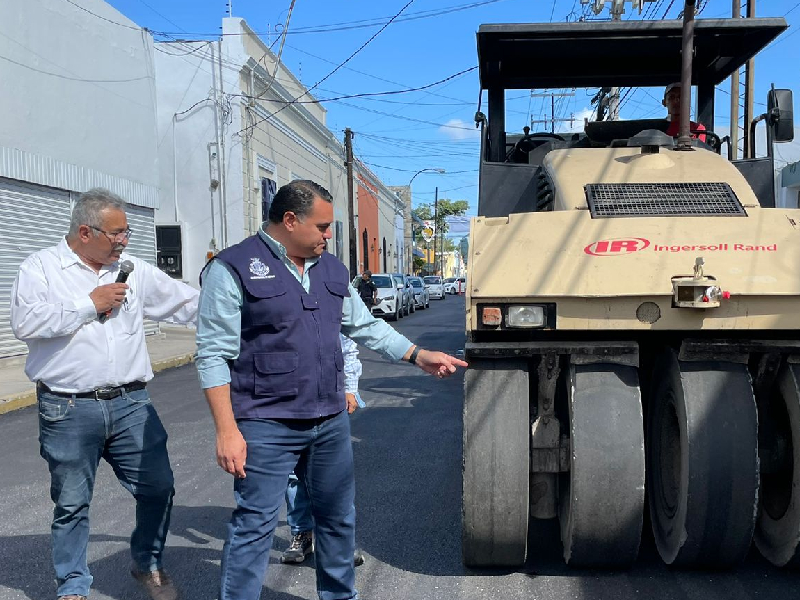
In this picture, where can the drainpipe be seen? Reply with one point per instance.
(175, 168)
(222, 174)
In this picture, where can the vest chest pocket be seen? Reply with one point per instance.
(268, 303)
(338, 292)
(275, 374)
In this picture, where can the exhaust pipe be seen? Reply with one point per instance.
(685, 135)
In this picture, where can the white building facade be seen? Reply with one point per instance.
(78, 105)
(234, 126)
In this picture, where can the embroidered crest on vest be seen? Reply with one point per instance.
(259, 270)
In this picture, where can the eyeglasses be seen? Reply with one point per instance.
(115, 237)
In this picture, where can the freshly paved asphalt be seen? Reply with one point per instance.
(408, 471)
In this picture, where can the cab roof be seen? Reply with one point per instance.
(616, 53)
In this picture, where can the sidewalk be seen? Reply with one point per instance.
(173, 347)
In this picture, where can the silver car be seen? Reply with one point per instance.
(404, 287)
(422, 298)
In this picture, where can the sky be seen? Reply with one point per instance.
(430, 41)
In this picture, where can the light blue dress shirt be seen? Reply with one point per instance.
(219, 322)
(352, 368)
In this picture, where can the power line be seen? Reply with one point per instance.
(125, 25)
(363, 23)
(368, 94)
(280, 53)
(162, 16)
(343, 63)
(82, 80)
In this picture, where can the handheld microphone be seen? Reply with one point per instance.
(125, 269)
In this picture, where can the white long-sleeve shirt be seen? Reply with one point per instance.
(70, 351)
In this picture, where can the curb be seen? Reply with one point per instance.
(25, 399)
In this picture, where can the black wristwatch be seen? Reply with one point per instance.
(413, 358)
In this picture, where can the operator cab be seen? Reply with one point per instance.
(626, 54)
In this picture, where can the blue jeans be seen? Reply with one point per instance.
(320, 453)
(298, 506)
(74, 434)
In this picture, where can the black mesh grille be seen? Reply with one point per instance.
(662, 199)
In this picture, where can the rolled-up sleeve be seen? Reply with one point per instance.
(219, 325)
(360, 325)
(352, 366)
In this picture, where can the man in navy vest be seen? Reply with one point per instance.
(270, 363)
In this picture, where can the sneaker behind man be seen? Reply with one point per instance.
(157, 583)
(302, 545)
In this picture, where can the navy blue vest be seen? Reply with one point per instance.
(290, 363)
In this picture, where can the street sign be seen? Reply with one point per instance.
(428, 231)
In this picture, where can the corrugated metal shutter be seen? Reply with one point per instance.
(32, 217)
(143, 243)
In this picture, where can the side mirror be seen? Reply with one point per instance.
(781, 114)
(399, 286)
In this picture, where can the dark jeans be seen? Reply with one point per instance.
(320, 453)
(74, 434)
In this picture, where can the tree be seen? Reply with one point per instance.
(446, 208)
(418, 264)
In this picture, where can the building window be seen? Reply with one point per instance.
(268, 189)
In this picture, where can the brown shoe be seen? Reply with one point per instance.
(72, 597)
(157, 583)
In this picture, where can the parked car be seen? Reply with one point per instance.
(456, 286)
(422, 298)
(408, 294)
(435, 286)
(391, 301)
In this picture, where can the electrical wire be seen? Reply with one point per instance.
(82, 80)
(359, 24)
(339, 66)
(369, 94)
(280, 52)
(125, 25)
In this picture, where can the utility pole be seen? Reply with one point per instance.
(749, 89)
(435, 226)
(351, 219)
(552, 120)
(737, 13)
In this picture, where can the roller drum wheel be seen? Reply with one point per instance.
(496, 463)
(602, 495)
(778, 528)
(703, 472)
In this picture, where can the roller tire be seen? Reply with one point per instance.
(777, 534)
(602, 496)
(702, 461)
(496, 465)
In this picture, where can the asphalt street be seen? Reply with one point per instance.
(407, 445)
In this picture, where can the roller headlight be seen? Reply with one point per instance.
(525, 316)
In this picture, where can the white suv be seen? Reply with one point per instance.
(391, 301)
(456, 286)
(435, 286)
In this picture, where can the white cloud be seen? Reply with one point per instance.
(456, 129)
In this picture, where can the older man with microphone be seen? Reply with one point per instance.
(80, 307)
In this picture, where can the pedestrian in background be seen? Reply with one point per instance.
(367, 289)
(298, 505)
(91, 376)
(270, 363)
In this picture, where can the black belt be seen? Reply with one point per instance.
(103, 393)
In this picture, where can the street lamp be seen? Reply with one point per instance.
(440, 171)
(436, 203)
